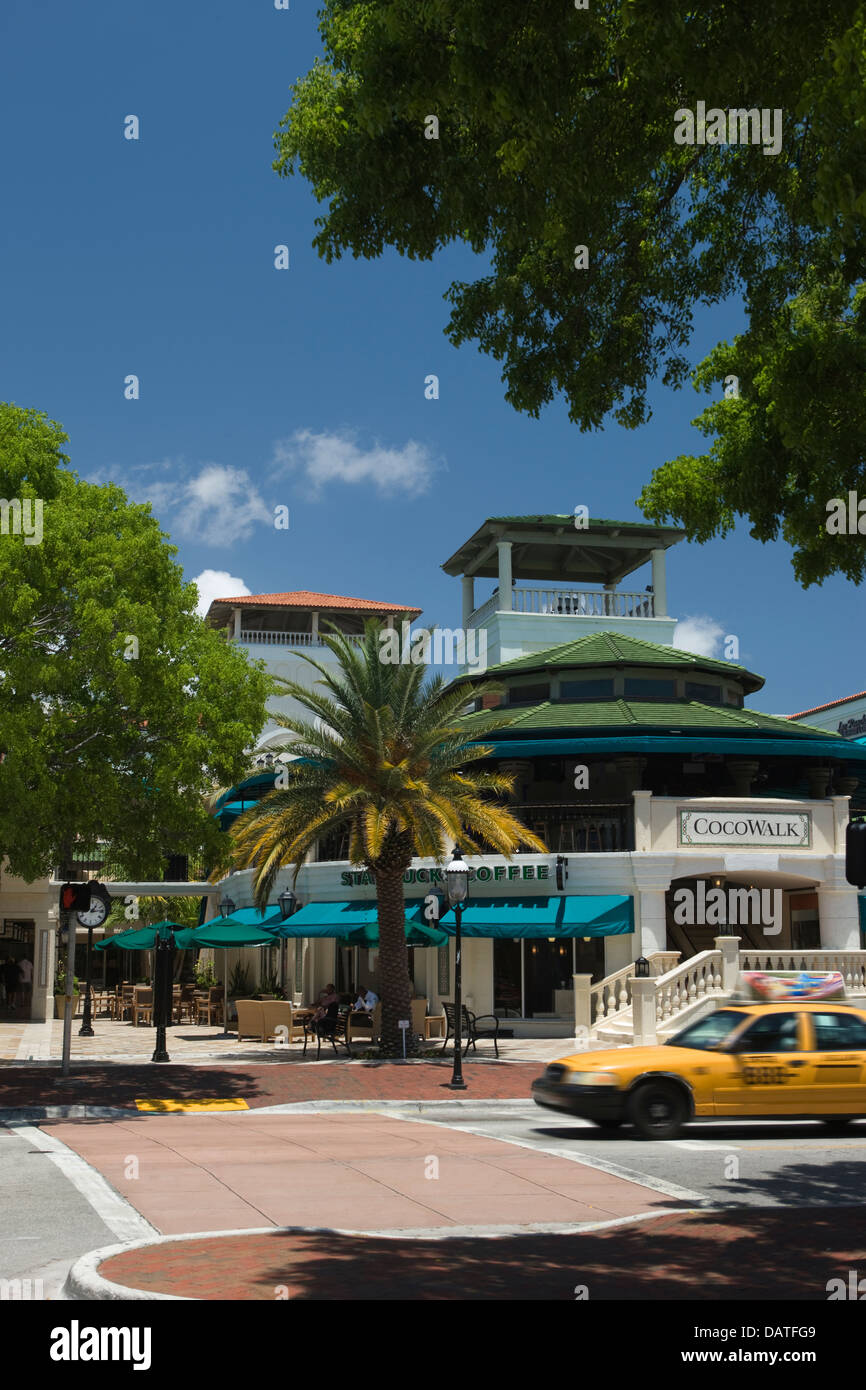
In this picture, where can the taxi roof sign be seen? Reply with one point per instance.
(778, 986)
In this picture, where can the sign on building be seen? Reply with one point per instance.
(773, 829)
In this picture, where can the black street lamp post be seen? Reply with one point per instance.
(86, 1029)
(163, 974)
(287, 902)
(457, 881)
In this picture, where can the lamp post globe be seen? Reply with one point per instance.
(457, 887)
(227, 907)
(286, 902)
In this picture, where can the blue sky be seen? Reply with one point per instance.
(303, 387)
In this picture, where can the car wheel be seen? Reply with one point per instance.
(658, 1110)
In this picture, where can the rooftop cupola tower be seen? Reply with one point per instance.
(574, 568)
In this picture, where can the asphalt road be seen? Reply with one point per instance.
(741, 1163)
(47, 1213)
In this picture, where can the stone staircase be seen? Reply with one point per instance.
(623, 1011)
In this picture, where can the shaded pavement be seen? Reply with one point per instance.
(767, 1255)
(266, 1084)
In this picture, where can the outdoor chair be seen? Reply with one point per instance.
(209, 1006)
(469, 1030)
(278, 1014)
(127, 998)
(334, 1026)
(184, 1004)
(142, 1004)
(251, 1019)
(419, 1014)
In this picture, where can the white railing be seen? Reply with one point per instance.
(571, 603)
(612, 995)
(850, 964)
(484, 611)
(687, 984)
(581, 603)
(291, 639)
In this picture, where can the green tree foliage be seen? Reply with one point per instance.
(101, 736)
(556, 130)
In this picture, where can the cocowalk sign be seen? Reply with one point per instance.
(774, 829)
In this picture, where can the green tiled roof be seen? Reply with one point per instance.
(658, 715)
(615, 650)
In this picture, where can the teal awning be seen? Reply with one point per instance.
(610, 914)
(357, 922)
(689, 741)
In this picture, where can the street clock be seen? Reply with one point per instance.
(100, 906)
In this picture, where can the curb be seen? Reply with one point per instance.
(84, 1283)
(35, 1113)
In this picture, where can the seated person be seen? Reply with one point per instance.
(366, 1001)
(328, 1000)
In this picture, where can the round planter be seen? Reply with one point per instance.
(60, 1005)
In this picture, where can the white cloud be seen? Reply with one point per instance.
(217, 505)
(213, 584)
(336, 457)
(701, 635)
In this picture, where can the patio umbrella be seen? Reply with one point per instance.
(223, 933)
(140, 938)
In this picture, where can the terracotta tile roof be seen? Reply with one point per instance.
(831, 704)
(306, 598)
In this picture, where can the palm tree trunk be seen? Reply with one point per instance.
(393, 963)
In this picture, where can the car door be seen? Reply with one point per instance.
(771, 1066)
(837, 1074)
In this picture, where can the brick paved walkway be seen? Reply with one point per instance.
(262, 1084)
(755, 1256)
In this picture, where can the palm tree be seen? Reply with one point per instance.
(385, 759)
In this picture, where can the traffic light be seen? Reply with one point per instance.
(75, 897)
(855, 853)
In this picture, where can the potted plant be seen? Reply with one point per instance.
(60, 994)
(269, 987)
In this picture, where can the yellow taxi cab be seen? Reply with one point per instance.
(793, 1057)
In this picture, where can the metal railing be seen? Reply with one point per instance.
(568, 829)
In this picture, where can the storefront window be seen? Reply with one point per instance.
(532, 978)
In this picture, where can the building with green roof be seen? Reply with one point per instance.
(644, 769)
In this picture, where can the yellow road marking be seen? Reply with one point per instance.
(163, 1106)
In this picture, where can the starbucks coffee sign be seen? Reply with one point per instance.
(774, 829)
(501, 872)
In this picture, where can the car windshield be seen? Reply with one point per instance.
(709, 1031)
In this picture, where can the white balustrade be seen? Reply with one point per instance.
(572, 603)
(687, 984)
(850, 964)
(611, 996)
(290, 639)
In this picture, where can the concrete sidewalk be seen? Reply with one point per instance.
(199, 1044)
(363, 1171)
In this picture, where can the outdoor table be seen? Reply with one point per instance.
(439, 1020)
